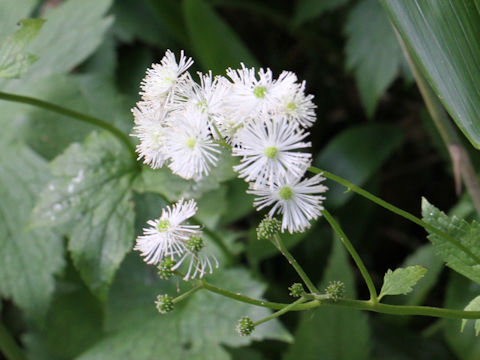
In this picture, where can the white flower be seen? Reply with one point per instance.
(161, 78)
(297, 106)
(200, 264)
(268, 151)
(292, 198)
(190, 147)
(167, 236)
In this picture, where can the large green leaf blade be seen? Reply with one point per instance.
(443, 38)
(90, 198)
(462, 253)
(28, 258)
(216, 45)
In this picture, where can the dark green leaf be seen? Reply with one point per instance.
(372, 51)
(13, 60)
(466, 236)
(90, 195)
(306, 10)
(443, 38)
(464, 344)
(216, 45)
(402, 280)
(194, 330)
(330, 332)
(356, 154)
(28, 258)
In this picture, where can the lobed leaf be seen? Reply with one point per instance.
(90, 198)
(14, 61)
(402, 280)
(461, 255)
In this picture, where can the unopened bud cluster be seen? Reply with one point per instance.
(164, 303)
(245, 326)
(268, 228)
(296, 290)
(335, 290)
(165, 268)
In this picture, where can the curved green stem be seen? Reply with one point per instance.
(358, 261)
(187, 293)
(8, 345)
(280, 312)
(394, 209)
(281, 247)
(74, 115)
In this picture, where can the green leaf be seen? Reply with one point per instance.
(195, 329)
(460, 291)
(332, 332)
(461, 255)
(90, 197)
(215, 44)
(11, 11)
(356, 154)
(28, 258)
(73, 30)
(13, 60)
(402, 280)
(443, 38)
(424, 256)
(372, 51)
(306, 10)
(473, 305)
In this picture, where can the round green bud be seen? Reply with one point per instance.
(164, 303)
(267, 228)
(296, 290)
(335, 290)
(195, 244)
(165, 268)
(245, 326)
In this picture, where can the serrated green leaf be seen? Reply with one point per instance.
(28, 258)
(443, 38)
(353, 155)
(73, 30)
(195, 329)
(466, 236)
(90, 197)
(473, 305)
(13, 60)
(216, 45)
(402, 280)
(306, 10)
(372, 52)
(331, 332)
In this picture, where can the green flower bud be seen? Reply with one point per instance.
(268, 228)
(195, 244)
(165, 268)
(335, 290)
(245, 326)
(164, 303)
(296, 290)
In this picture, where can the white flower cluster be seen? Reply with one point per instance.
(183, 124)
(170, 238)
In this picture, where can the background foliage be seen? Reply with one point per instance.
(72, 201)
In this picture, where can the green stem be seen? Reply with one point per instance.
(74, 115)
(280, 312)
(366, 305)
(187, 293)
(281, 247)
(358, 261)
(394, 209)
(8, 345)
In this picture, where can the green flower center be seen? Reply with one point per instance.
(285, 193)
(163, 225)
(191, 143)
(260, 91)
(271, 152)
(202, 105)
(291, 106)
